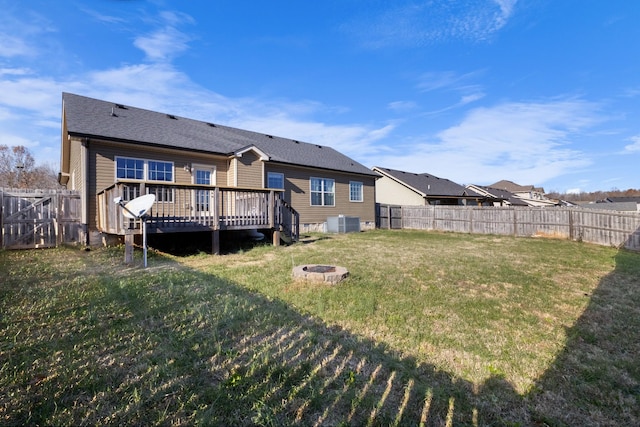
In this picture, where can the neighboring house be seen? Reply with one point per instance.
(396, 187)
(500, 197)
(624, 199)
(206, 177)
(529, 194)
(622, 204)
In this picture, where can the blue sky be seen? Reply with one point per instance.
(540, 92)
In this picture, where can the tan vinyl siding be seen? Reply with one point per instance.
(231, 173)
(297, 193)
(102, 165)
(76, 178)
(249, 170)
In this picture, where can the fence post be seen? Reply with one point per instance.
(56, 219)
(433, 217)
(571, 231)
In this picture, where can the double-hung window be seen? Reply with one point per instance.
(355, 191)
(323, 192)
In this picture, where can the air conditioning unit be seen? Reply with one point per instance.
(343, 224)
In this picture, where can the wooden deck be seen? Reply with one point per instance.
(189, 208)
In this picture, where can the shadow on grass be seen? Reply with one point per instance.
(180, 347)
(596, 378)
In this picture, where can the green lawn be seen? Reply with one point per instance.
(429, 328)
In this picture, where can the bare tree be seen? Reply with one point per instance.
(18, 169)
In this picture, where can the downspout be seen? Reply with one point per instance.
(84, 161)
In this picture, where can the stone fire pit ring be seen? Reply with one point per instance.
(331, 274)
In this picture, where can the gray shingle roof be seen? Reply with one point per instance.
(95, 118)
(428, 185)
(505, 195)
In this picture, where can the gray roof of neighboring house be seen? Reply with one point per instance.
(513, 187)
(95, 118)
(428, 185)
(505, 195)
(612, 206)
(619, 199)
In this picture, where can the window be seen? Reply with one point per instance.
(203, 177)
(355, 191)
(275, 180)
(128, 168)
(160, 171)
(323, 192)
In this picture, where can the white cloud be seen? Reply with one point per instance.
(22, 37)
(13, 140)
(163, 45)
(167, 42)
(468, 99)
(524, 142)
(14, 72)
(418, 23)
(634, 147)
(449, 81)
(402, 106)
(11, 46)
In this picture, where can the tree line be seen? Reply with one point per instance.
(18, 169)
(594, 196)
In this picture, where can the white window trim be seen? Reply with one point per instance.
(212, 168)
(323, 205)
(145, 169)
(361, 192)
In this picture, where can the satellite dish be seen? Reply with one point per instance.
(139, 206)
(136, 209)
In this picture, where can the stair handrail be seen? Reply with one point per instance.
(292, 227)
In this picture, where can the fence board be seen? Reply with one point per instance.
(609, 228)
(38, 218)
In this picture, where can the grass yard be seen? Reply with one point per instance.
(429, 329)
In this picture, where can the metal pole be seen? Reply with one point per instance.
(144, 240)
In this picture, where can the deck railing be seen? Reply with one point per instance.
(183, 208)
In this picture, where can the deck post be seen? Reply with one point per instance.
(276, 237)
(272, 209)
(215, 242)
(128, 248)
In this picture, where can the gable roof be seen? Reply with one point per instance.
(501, 194)
(89, 117)
(512, 187)
(427, 185)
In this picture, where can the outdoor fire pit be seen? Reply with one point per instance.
(331, 274)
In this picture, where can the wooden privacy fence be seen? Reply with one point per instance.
(609, 228)
(39, 218)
